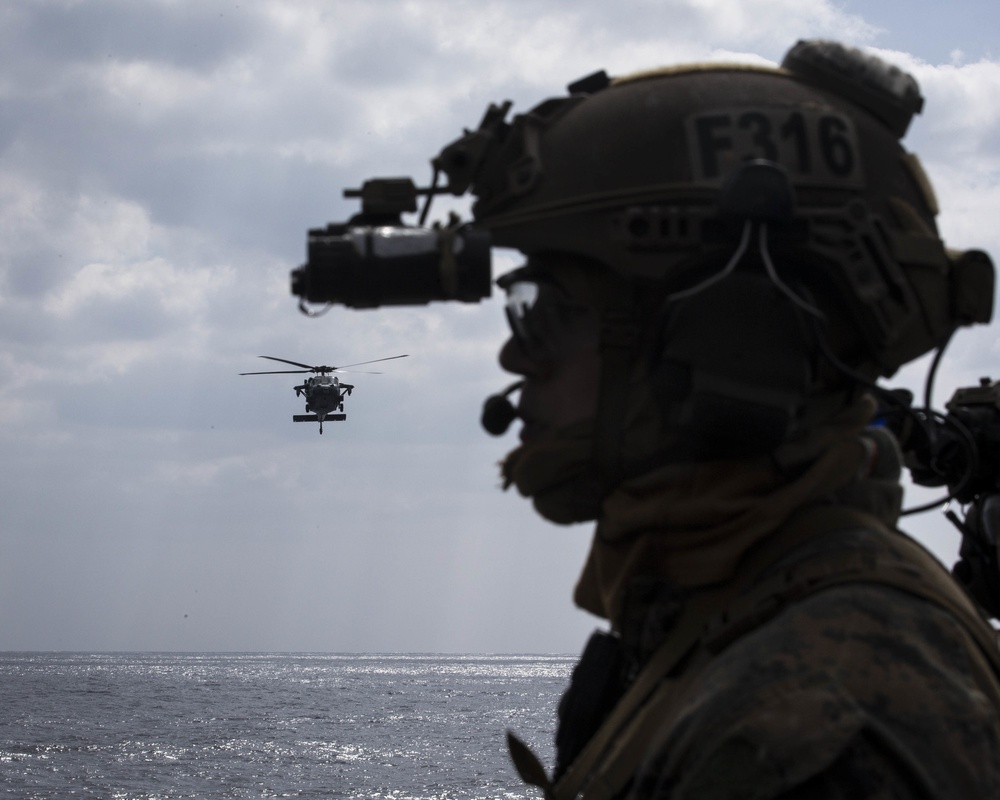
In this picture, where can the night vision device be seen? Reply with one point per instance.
(375, 260)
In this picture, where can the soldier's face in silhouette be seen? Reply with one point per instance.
(554, 347)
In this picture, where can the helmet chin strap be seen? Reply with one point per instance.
(619, 344)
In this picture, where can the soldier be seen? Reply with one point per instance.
(720, 262)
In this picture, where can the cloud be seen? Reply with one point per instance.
(68, 32)
(956, 138)
(161, 163)
(960, 117)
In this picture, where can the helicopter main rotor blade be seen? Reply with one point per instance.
(308, 367)
(278, 372)
(321, 369)
(362, 363)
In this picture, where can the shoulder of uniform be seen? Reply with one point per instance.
(860, 667)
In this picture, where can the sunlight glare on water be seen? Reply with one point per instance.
(165, 726)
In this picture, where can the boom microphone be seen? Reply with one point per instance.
(499, 412)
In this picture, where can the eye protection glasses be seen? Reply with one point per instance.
(544, 320)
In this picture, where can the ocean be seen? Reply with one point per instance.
(158, 726)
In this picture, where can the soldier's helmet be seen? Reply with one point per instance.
(739, 195)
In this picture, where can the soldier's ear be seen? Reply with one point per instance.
(732, 366)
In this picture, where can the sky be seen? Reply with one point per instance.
(160, 164)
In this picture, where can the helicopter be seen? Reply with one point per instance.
(324, 393)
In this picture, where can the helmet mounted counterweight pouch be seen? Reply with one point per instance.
(734, 355)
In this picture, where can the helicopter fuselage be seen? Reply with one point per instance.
(324, 394)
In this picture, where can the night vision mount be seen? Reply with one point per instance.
(375, 259)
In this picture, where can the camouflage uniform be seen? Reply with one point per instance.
(859, 691)
(836, 658)
(851, 666)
